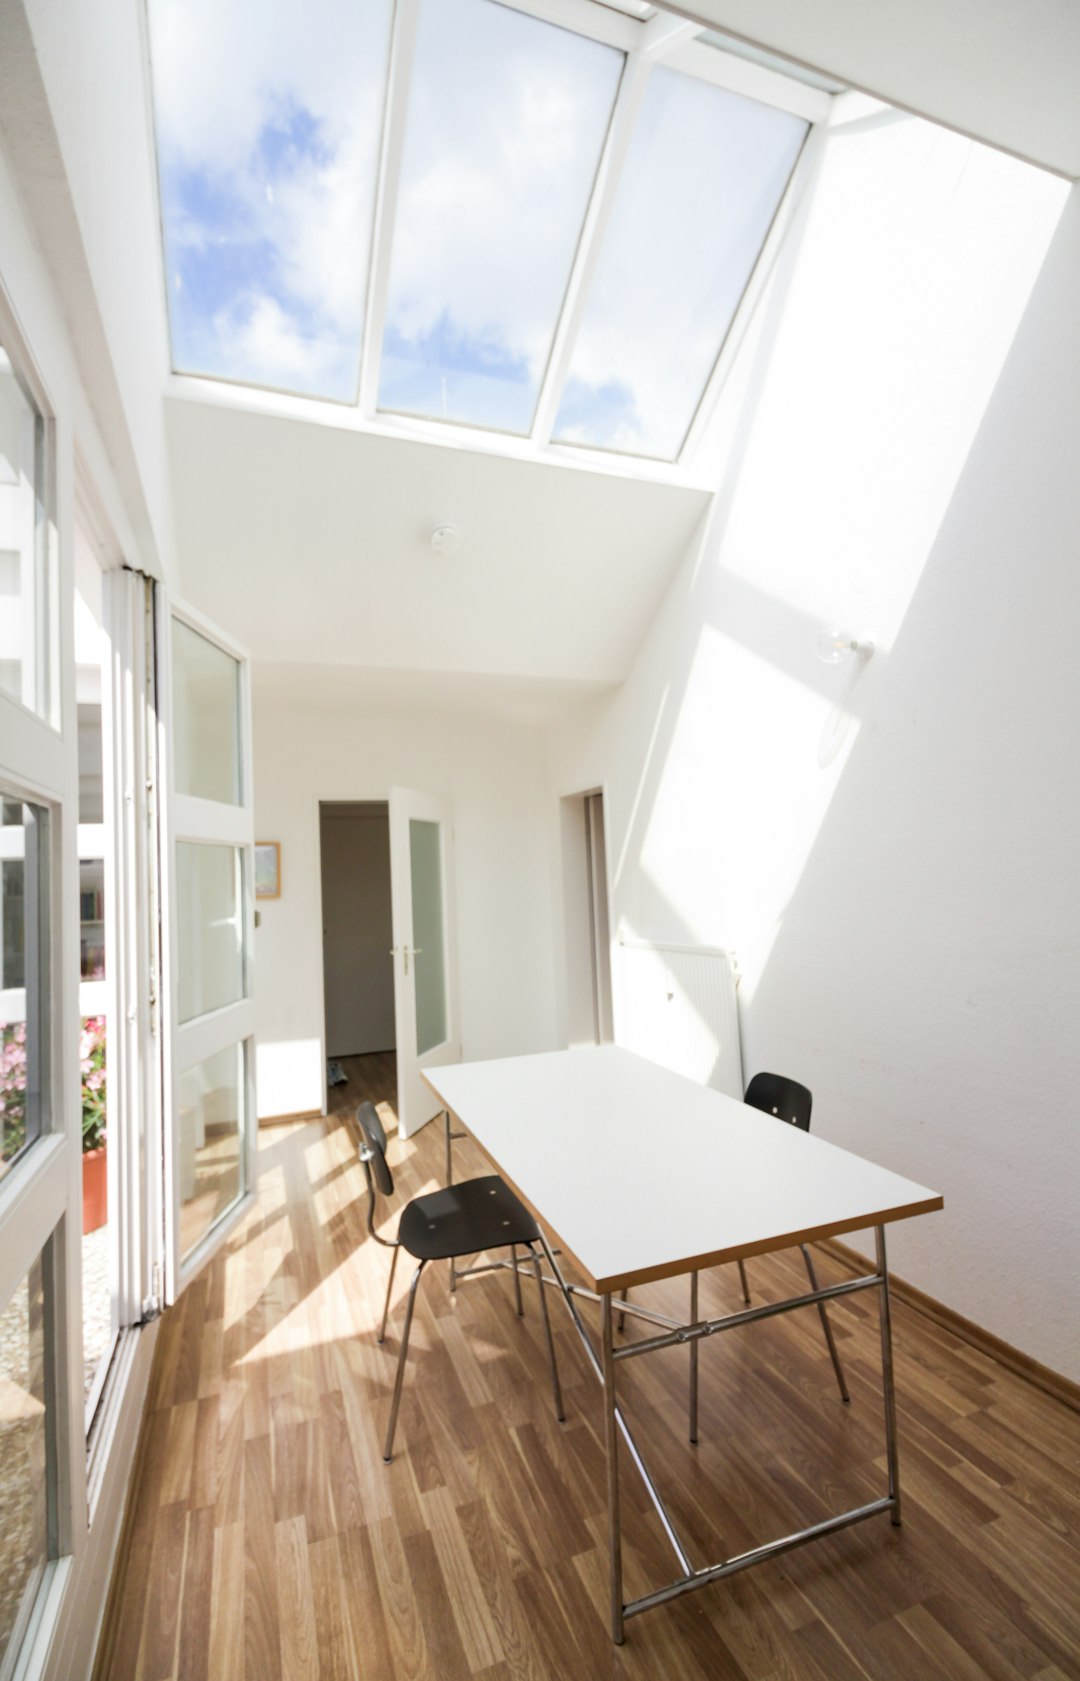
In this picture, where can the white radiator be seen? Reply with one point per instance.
(678, 1006)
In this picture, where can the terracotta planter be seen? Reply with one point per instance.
(95, 1204)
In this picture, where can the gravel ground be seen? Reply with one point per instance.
(22, 1450)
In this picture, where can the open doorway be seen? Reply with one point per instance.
(589, 1012)
(358, 967)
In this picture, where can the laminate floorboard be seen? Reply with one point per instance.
(268, 1540)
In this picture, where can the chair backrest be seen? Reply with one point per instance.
(373, 1153)
(777, 1095)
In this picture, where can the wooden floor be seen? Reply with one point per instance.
(268, 1540)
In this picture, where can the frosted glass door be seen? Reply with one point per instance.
(425, 872)
(425, 966)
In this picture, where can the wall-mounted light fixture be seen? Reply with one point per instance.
(833, 643)
(833, 646)
(445, 540)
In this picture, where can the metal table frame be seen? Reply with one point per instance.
(674, 1333)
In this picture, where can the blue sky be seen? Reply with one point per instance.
(268, 122)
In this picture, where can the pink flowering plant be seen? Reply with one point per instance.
(12, 1089)
(13, 1085)
(92, 1065)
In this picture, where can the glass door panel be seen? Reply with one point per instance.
(25, 1422)
(206, 717)
(425, 954)
(425, 870)
(212, 1121)
(23, 1020)
(211, 1149)
(209, 891)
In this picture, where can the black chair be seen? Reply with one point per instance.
(465, 1219)
(775, 1094)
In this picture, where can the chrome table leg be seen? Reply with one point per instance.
(611, 1438)
(693, 1358)
(887, 1376)
(742, 1281)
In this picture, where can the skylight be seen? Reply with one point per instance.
(506, 121)
(705, 173)
(531, 234)
(268, 130)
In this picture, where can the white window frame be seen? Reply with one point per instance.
(186, 818)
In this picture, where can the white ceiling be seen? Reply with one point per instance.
(1000, 71)
(311, 544)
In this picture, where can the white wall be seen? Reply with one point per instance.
(905, 898)
(316, 742)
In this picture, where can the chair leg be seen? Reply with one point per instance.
(742, 1281)
(517, 1282)
(620, 1323)
(540, 1285)
(389, 1288)
(826, 1327)
(399, 1380)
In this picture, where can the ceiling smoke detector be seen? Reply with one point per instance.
(445, 540)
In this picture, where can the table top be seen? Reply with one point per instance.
(639, 1173)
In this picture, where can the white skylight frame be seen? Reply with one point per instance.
(659, 38)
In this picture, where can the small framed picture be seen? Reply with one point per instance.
(268, 869)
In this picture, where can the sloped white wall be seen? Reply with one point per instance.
(326, 748)
(901, 456)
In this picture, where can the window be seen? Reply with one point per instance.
(26, 619)
(703, 178)
(268, 131)
(548, 244)
(23, 991)
(506, 122)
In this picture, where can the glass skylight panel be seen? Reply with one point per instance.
(507, 120)
(703, 177)
(268, 118)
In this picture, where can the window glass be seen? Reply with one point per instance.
(507, 119)
(206, 717)
(209, 905)
(211, 1168)
(24, 1470)
(23, 993)
(268, 119)
(701, 183)
(25, 611)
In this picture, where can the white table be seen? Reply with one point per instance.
(639, 1174)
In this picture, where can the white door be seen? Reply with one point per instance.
(208, 1007)
(425, 947)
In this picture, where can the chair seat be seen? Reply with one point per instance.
(464, 1219)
